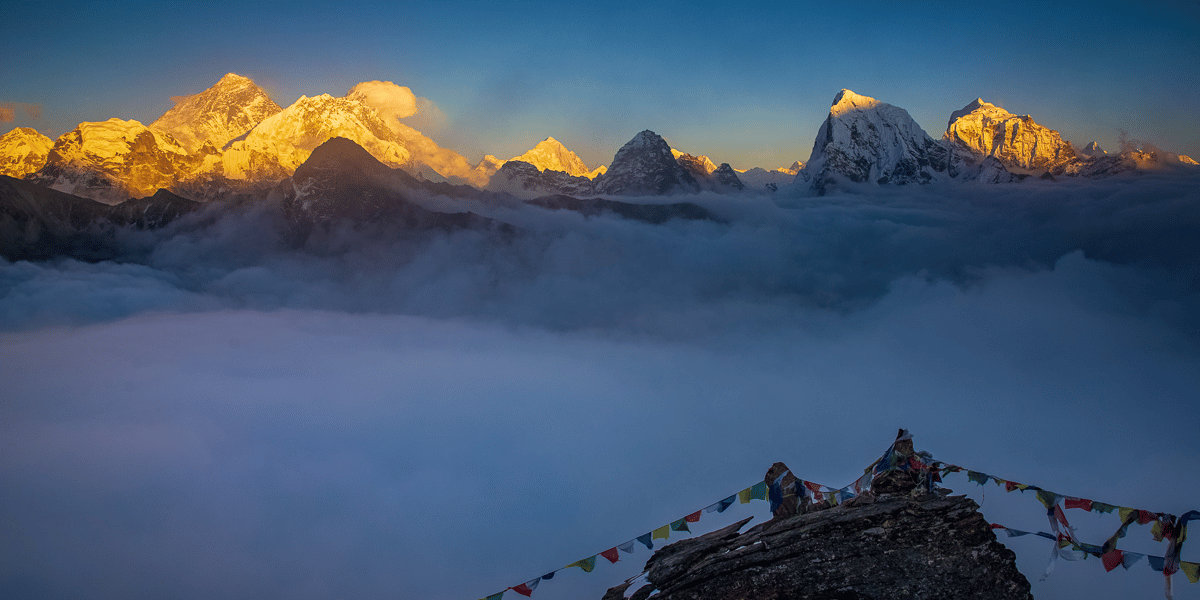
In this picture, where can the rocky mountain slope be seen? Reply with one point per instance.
(710, 177)
(645, 166)
(218, 115)
(38, 223)
(341, 181)
(525, 180)
(867, 141)
(23, 151)
(115, 160)
(1018, 143)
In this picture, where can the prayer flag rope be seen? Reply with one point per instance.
(758, 491)
(1165, 526)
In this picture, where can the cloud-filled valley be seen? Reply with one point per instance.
(441, 414)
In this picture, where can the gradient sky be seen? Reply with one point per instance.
(745, 85)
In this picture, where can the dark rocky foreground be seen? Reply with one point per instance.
(899, 542)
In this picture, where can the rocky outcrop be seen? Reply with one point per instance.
(867, 141)
(23, 151)
(903, 539)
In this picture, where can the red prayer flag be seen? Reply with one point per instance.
(1145, 516)
(611, 555)
(812, 486)
(1083, 503)
(998, 526)
(693, 518)
(1009, 486)
(1112, 559)
(1061, 516)
(522, 590)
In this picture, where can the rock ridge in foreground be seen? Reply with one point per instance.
(898, 542)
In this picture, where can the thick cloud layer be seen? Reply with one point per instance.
(445, 415)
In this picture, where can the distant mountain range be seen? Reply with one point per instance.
(232, 138)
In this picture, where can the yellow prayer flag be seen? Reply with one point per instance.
(1191, 569)
(661, 533)
(744, 496)
(1124, 512)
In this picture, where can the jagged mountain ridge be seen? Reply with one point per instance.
(113, 160)
(983, 142)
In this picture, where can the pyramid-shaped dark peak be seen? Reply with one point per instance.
(645, 166)
(340, 155)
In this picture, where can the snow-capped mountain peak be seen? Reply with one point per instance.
(551, 154)
(865, 140)
(283, 141)
(1017, 142)
(846, 101)
(218, 115)
(1093, 150)
(23, 151)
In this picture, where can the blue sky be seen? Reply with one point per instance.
(745, 85)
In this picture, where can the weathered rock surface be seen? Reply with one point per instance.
(900, 540)
(898, 547)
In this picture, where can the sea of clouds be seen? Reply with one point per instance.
(442, 415)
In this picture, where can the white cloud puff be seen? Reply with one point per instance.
(391, 101)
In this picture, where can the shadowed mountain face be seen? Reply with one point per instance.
(645, 166)
(342, 182)
(38, 223)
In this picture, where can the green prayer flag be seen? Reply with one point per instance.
(586, 564)
(680, 525)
